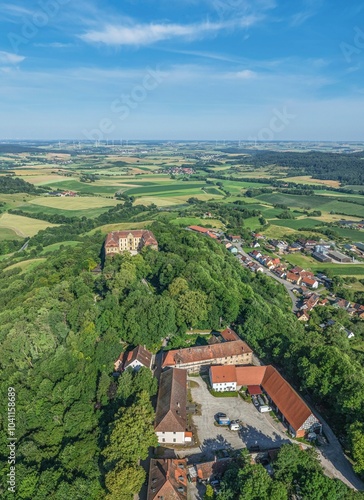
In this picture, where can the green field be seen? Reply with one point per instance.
(297, 223)
(57, 246)
(84, 188)
(170, 189)
(294, 201)
(311, 264)
(26, 265)
(89, 212)
(8, 234)
(23, 226)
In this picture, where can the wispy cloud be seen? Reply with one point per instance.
(9, 58)
(54, 45)
(136, 34)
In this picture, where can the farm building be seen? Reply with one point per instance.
(289, 406)
(338, 256)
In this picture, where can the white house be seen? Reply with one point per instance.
(223, 378)
(134, 359)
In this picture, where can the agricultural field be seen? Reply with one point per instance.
(298, 259)
(26, 265)
(69, 203)
(305, 223)
(108, 228)
(8, 234)
(23, 226)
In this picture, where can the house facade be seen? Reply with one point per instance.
(193, 359)
(118, 242)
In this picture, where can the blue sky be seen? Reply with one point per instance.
(182, 69)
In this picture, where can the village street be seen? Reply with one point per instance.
(289, 286)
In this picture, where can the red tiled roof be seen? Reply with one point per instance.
(290, 404)
(199, 229)
(141, 354)
(205, 353)
(166, 476)
(254, 389)
(309, 281)
(221, 374)
(229, 335)
(172, 401)
(112, 239)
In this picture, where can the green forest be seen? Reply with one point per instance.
(81, 431)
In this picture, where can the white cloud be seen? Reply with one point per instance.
(54, 45)
(147, 34)
(9, 58)
(246, 74)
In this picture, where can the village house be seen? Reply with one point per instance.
(234, 238)
(118, 242)
(303, 316)
(208, 471)
(311, 283)
(134, 359)
(289, 406)
(310, 302)
(194, 359)
(293, 278)
(167, 479)
(171, 414)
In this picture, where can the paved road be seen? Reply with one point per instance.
(288, 286)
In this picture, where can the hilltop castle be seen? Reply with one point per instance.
(129, 241)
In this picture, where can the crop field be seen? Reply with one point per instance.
(70, 203)
(340, 207)
(23, 226)
(8, 234)
(167, 190)
(85, 188)
(290, 200)
(38, 209)
(196, 221)
(298, 223)
(108, 228)
(306, 179)
(308, 263)
(351, 234)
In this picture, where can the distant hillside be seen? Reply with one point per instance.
(11, 185)
(346, 168)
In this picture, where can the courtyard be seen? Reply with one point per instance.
(257, 429)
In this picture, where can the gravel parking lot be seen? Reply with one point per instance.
(257, 428)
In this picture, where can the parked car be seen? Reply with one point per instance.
(255, 401)
(264, 408)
